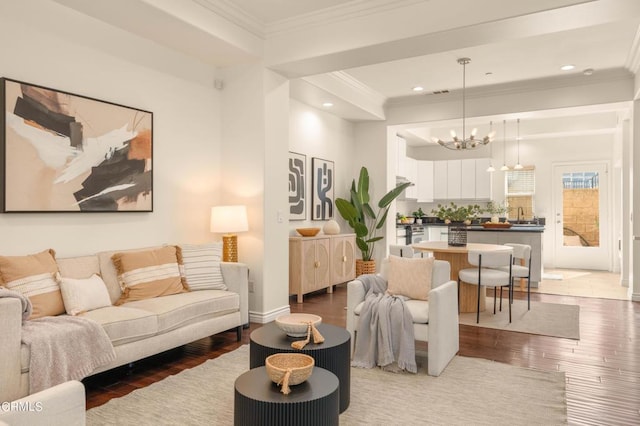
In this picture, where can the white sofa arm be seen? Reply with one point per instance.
(236, 278)
(61, 405)
(10, 332)
(355, 295)
(444, 339)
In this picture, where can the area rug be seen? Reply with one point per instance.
(469, 391)
(547, 319)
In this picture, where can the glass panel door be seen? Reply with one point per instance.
(581, 225)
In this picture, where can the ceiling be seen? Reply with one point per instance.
(516, 51)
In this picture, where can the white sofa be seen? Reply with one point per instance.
(60, 405)
(434, 321)
(137, 329)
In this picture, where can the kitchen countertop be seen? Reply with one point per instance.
(514, 228)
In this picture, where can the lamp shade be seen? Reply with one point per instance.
(229, 219)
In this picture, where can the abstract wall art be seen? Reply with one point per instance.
(63, 152)
(323, 189)
(297, 186)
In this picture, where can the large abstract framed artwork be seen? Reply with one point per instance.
(297, 186)
(63, 152)
(323, 189)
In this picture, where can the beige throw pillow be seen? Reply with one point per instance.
(202, 266)
(36, 276)
(83, 295)
(410, 277)
(149, 273)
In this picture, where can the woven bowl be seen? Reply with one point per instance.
(301, 366)
(308, 232)
(295, 325)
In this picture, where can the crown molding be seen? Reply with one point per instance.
(357, 86)
(633, 59)
(236, 15)
(342, 12)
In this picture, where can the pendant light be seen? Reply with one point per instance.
(491, 169)
(465, 143)
(504, 167)
(518, 166)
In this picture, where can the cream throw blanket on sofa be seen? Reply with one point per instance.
(385, 330)
(64, 348)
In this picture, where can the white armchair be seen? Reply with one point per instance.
(434, 321)
(60, 405)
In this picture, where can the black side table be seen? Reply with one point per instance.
(258, 401)
(334, 354)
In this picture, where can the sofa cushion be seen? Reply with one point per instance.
(419, 310)
(84, 294)
(36, 276)
(149, 273)
(78, 267)
(123, 324)
(202, 266)
(181, 309)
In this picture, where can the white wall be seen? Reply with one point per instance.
(45, 43)
(317, 133)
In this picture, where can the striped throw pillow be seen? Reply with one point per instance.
(36, 276)
(202, 266)
(149, 273)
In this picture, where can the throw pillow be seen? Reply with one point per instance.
(82, 295)
(149, 273)
(410, 277)
(202, 266)
(36, 276)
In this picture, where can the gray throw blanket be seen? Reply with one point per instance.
(64, 348)
(385, 330)
(26, 303)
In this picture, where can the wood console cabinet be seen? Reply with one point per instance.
(320, 262)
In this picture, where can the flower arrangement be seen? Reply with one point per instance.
(496, 209)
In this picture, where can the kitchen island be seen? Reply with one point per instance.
(529, 234)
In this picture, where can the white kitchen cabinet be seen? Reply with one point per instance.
(468, 179)
(425, 181)
(483, 179)
(401, 166)
(411, 167)
(440, 180)
(454, 179)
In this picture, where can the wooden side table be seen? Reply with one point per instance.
(258, 401)
(334, 354)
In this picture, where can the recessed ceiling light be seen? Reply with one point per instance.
(588, 71)
(418, 89)
(567, 67)
(327, 104)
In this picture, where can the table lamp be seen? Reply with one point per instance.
(228, 220)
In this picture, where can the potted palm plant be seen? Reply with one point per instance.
(364, 221)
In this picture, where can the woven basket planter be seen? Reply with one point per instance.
(365, 267)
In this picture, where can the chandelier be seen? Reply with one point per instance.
(471, 143)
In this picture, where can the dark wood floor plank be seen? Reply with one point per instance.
(602, 368)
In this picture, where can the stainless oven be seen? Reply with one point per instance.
(417, 234)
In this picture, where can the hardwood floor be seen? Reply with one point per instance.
(602, 368)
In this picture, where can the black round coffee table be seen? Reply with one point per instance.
(334, 354)
(258, 401)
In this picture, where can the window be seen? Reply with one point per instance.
(520, 190)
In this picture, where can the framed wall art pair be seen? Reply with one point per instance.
(322, 187)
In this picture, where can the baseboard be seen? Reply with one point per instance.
(635, 297)
(265, 317)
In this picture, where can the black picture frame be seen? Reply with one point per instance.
(297, 186)
(64, 152)
(323, 189)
